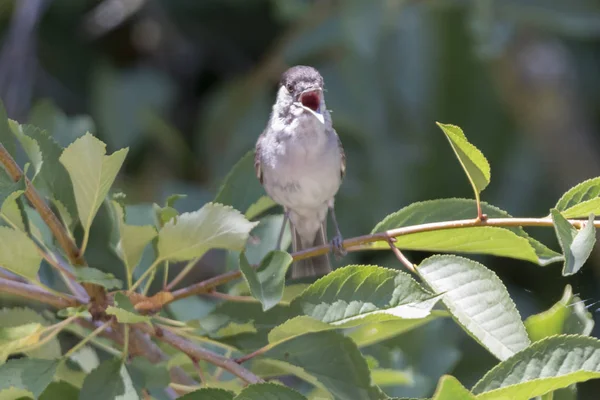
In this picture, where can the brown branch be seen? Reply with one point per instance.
(36, 293)
(97, 293)
(401, 257)
(199, 353)
(359, 242)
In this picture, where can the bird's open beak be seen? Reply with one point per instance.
(311, 102)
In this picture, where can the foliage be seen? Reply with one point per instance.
(317, 340)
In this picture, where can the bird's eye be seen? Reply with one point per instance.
(290, 87)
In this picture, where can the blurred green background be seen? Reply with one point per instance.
(188, 86)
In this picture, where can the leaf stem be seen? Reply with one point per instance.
(86, 339)
(125, 342)
(255, 353)
(188, 267)
(231, 297)
(147, 272)
(401, 257)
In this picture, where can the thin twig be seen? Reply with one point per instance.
(89, 337)
(255, 353)
(188, 267)
(360, 242)
(32, 292)
(231, 297)
(198, 370)
(199, 353)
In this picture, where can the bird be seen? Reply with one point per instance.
(300, 162)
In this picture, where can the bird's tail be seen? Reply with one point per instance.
(314, 266)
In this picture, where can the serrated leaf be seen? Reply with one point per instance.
(10, 191)
(478, 301)
(581, 200)
(6, 138)
(569, 315)
(268, 391)
(11, 317)
(472, 160)
(547, 365)
(192, 234)
(92, 174)
(449, 388)
(242, 190)
(51, 175)
(125, 312)
(345, 373)
(81, 311)
(109, 380)
(18, 253)
(266, 282)
(14, 339)
(468, 240)
(93, 275)
(577, 245)
(133, 240)
(30, 374)
(208, 394)
(359, 294)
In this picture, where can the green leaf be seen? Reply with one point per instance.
(345, 373)
(581, 200)
(478, 301)
(449, 388)
(133, 240)
(577, 245)
(208, 394)
(18, 253)
(391, 377)
(266, 282)
(92, 173)
(268, 391)
(269, 368)
(12, 317)
(359, 294)
(10, 191)
(168, 212)
(124, 311)
(15, 339)
(60, 390)
(30, 374)
(472, 160)
(109, 380)
(6, 138)
(469, 240)
(51, 175)
(93, 275)
(569, 315)
(148, 375)
(242, 190)
(549, 364)
(192, 234)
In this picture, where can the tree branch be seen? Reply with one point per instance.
(360, 242)
(36, 293)
(199, 353)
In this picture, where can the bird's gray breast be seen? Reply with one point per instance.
(301, 164)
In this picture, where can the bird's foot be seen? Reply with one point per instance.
(337, 243)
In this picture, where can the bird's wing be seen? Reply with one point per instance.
(257, 162)
(343, 154)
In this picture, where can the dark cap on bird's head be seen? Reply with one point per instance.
(305, 84)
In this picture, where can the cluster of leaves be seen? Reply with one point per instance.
(315, 337)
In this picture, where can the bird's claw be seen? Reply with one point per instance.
(337, 244)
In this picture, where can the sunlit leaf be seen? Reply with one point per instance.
(478, 301)
(266, 282)
(449, 388)
(13, 317)
(390, 377)
(472, 160)
(495, 241)
(577, 245)
(15, 339)
(192, 234)
(92, 173)
(125, 312)
(569, 315)
(581, 200)
(547, 365)
(18, 253)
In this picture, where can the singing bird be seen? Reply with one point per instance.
(300, 162)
